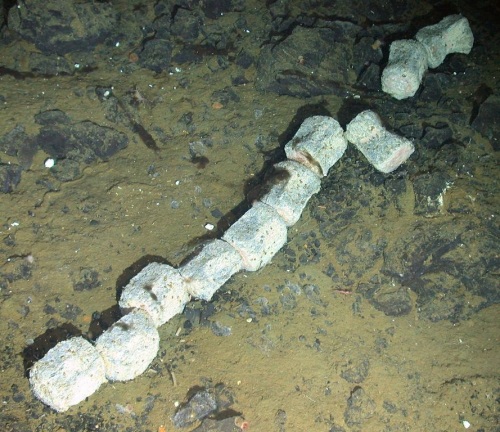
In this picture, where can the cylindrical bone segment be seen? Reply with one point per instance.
(67, 374)
(289, 194)
(257, 236)
(129, 346)
(318, 144)
(210, 269)
(450, 35)
(384, 150)
(159, 289)
(404, 71)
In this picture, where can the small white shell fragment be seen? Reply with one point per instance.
(450, 35)
(210, 269)
(49, 163)
(209, 226)
(159, 289)
(290, 195)
(67, 374)
(466, 424)
(129, 346)
(257, 236)
(318, 144)
(384, 150)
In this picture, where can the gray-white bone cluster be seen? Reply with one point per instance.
(76, 368)
(409, 59)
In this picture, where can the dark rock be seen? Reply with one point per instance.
(71, 312)
(389, 11)
(280, 14)
(102, 141)
(223, 424)
(451, 104)
(360, 407)
(280, 419)
(52, 117)
(193, 315)
(244, 59)
(186, 25)
(12, 140)
(454, 159)
(478, 97)
(313, 294)
(49, 309)
(487, 121)
(213, 9)
(309, 62)
(369, 78)
(239, 80)
(10, 176)
(161, 27)
(436, 136)
(17, 395)
(73, 144)
(393, 301)
(435, 261)
(66, 170)
(356, 372)
(216, 39)
(188, 54)
(288, 300)
(219, 329)
(224, 96)
(336, 428)
(89, 279)
(429, 191)
(26, 152)
(432, 87)
(49, 64)
(411, 130)
(366, 52)
(60, 27)
(390, 407)
(55, 141)
(201, 405)
(18, 143)
(2, 15)
(156, 55)
(9, 240)
(458, 65)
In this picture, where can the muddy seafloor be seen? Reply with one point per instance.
(379, 314)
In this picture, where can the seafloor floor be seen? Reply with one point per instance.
(381, 312)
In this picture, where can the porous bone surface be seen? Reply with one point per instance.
(385, 150)
(404, 71)
(67, 374)
(129, 346)
(290, 194)
(450, 35)
(159, 289)
(205, 273)
(257, 236)
(318, 144)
